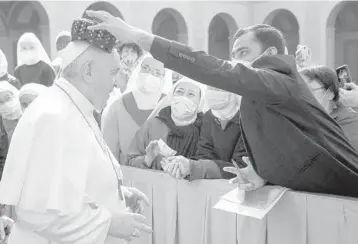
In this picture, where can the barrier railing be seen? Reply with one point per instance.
(181, 212)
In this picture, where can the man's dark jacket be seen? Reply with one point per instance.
(289, 137)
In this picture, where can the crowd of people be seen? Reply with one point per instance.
(155, 104)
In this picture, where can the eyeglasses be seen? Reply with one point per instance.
(155, 72)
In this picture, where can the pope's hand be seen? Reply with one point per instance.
(349, 95)
(135, 199)
(126, 225)
(248, 174)
(6, 225)
(116, 26)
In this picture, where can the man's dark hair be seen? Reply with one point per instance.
(266, 35)
(326, 76)
(131, 45)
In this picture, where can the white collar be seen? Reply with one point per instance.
(78, 98)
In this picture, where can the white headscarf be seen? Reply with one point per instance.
(39, 51)
(166, 101)
(3, 64)
(10, 110)
(32, 89)
(147, 101)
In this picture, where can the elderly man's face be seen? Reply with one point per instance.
(103, 74)
(246, 48)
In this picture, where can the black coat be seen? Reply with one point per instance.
(290, 139)
(220, 145)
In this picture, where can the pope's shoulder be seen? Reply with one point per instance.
(50, 106)
(114, 106)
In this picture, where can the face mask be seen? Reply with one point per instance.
(217, 100)
(183, 107)
(30, 57)
(149, 83)
(129, 60)
(11, 110)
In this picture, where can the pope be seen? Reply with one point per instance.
(60, 176)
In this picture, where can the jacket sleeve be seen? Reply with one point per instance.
(110, 130)
(268, 82)
(4, 146)
(206, 164)
(91, 225)
(205, 149)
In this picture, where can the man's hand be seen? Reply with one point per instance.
(126, 225)
(135, 199)
(122, 31)
(248, 174)
(349, 95)
(6, 225)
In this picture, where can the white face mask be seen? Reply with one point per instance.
(183, 107)
(217, 100)
(11, 110)
(149, 83)
(30, 57)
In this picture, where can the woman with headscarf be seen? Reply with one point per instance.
(33, 63)
(176, 121)
(62, 40)
(122, 118)
(10, 107)
(29, 92)
(4, 75)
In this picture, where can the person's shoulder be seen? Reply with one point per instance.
(49, 106)
(284, 64)
(208, 116)
(114, 106)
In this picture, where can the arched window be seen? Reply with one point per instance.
(221, 30)
(170, 24)
(286, 22)
(342, 39)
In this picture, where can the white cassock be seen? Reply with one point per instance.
(58, 173)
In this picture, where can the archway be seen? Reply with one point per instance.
(286, 22)
(24, 16)
(104, 6)
(4, 33)
(221, 29)
(342, 39)
(170, 24)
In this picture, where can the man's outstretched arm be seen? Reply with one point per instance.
(265, 83)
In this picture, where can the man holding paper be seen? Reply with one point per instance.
(290, 139)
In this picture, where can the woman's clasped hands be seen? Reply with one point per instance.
(177, 166)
